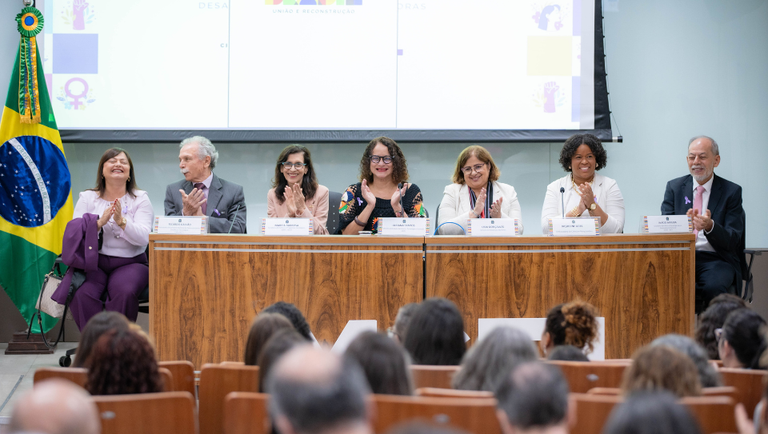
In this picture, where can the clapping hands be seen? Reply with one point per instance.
(294, 200)
(701, 221)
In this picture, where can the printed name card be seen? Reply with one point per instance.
(403, 227)
(493, 227)
(667, 224)
(181, 225)
(574, 226)
(286, 227)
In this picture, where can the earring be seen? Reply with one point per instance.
(129, 179)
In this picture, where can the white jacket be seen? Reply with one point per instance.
(455, 206)
(608, 197)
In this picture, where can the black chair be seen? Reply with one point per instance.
(334, 199)
(749, 284)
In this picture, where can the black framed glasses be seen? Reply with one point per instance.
(289, 165)
(377, 158)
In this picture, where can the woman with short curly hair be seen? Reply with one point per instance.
(573, 323)
(123, 362)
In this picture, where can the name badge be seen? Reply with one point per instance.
(181, 225)
(286, 227)
(667, 224)
(493, 227)
(403, 227)
(574, 226)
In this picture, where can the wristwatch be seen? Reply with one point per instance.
(593, 206)
(124, 221)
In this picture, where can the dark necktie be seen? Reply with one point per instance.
(203, 207)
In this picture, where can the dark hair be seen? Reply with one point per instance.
(99, 324)
(276, 346)
(574, 324)
(123, 362)
(567, 353)
(101, 184)
(399, 165)
(713, 318)
(481, 154)
(661, 368)
(708, 375)
(534, 395)
(573, 143)
(262, 328)
(491, 359)
(436, 333)
(294, 315)
(744, 330)
(308, 182)
(384, 362)
(403, 318)
(651, 412)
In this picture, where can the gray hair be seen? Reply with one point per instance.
(206, 148)
(708, 375)
(715, 148)
(534, 395)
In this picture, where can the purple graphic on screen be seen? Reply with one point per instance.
(354, 2)
(75, 53)
(78, 9)
(576, 17)
(550, 90)
(49, 84)
(576, 99)
(549, 18)
(399, 51)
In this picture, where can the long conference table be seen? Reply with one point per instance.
(206, 289)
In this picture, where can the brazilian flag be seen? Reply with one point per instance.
(35, 183)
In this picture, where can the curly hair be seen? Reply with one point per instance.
(481, 154)
(399, 165)
(99, 324)
(262, 328)
(308, 182)
(293, 314)
(661, 367)
(572, 144)
(573, 323)
(123, 362)
(714, 318)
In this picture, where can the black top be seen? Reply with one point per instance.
(353, 203)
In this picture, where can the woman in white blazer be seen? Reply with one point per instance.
(585, 193)
(476, 193)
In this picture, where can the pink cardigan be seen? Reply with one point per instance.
(316, 209)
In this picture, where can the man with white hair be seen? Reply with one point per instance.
(202, 193)
(55, 406)
(714, 204)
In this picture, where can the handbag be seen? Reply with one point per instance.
(44, 301)
(51, 307)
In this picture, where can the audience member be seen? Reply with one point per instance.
(280, 343)
(99, 324)
(760, 423)
(661, 367)
(123, 362)
(713, 318)
(534, 399)
(572, 323)
(491, 359)
(402, 320)
(742, 340)
(567, 353)
(325, 396)
(294, 315)
(651, 412)
(421, 427)
(384, 362)
(55, 406)
(707, 373)
(262, 328)
(435, 335)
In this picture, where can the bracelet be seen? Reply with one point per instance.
(359, 223)
(399, 213)
(475, 214)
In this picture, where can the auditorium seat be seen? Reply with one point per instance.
(592, 411)
(216, 381)
(80, 375)
(748, 383)
(583, 376)
(147, 413)
(714, 413)
(246, 413)
(471, 414)
(183, 375)
(437, 392)
(433, 375)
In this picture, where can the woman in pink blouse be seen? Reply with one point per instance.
(295, 192)
(123, 216)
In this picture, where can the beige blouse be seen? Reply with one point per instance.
(316, 208)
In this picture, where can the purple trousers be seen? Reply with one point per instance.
(123, 279)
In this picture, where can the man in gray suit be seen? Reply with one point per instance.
(204, 193)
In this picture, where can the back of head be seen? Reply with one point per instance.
(55, 406)
(262, 328)
(276, 346)
(651, 412)
(315, 391)
(534, 395)
(745, 332)
(403, 319)
(573, 323)
(123, 362)
(491, 359)
(567, 353)
(436, 333)
(294, 315)
(713, 318)
(99, 324)
(384, 362)
(708, 375)
(661, 368)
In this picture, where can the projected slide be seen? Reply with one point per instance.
(321, 64)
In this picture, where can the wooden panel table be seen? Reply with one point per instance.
(642, 284)
(206, 289)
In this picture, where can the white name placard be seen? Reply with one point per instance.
(574, 226)
(403, 227)
(181, 225)
(493, 227)
(667, 224)
(286, 227)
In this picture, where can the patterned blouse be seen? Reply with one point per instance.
(353, 203)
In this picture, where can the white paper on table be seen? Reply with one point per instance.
(350, 332)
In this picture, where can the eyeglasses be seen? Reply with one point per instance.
(289, 165)
(377, 158)
(477, 168)
(718, 334)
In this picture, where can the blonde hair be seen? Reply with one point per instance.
(661, 367)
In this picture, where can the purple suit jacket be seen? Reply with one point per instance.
(80, 249)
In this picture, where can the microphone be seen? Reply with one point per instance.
(562, 199)
(399, 188)
(234, 218)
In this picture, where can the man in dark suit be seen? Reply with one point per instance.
(203, 193)
(714, 204)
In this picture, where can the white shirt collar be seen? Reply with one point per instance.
(707, 185)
